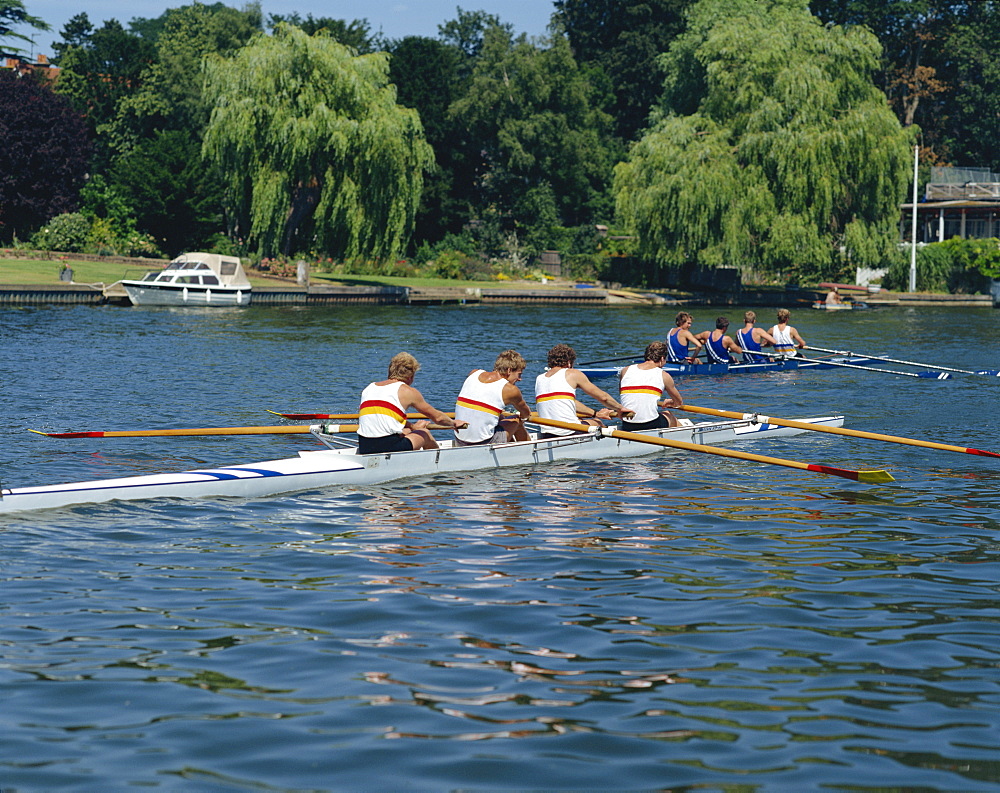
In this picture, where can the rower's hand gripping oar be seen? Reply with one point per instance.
(870, 477)
(804, 425)
(827, 362)
(988, 372)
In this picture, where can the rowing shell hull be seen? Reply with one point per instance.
(686, 369)
(335, 467)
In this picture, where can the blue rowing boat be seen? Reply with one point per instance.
(781, 365)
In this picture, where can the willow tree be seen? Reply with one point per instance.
(773, 149)
(315, 151)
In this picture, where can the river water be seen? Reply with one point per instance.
(667, 622)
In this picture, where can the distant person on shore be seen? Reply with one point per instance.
(640, 387)
(680, 338)
(482, 399)
(555, 394)
(752, 339)
(382, 423)
(786, 338)
(719, 348)
(833, 297)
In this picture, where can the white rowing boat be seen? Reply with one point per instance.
(339, 465)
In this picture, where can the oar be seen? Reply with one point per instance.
(804, 425)
(328, 429)
(871, 477)
(318, 416)
(988, 372)
(286, 430)
(611, 360)
(828, 362)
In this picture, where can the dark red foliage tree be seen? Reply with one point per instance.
(44, 153)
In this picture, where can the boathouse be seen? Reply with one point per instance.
(957, 202)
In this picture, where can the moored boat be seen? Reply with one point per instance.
(849, 305)
(193, 279)
(778, 365)
(338, 465)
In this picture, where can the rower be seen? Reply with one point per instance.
(555, 394)
(679, 339)
(752, 339)
(719, 346)
(482, 399)
(642, 384)
(833, 297)
(786, 338)
(382, 423)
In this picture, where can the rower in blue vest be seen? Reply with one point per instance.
(752, 339)
(679, 338)
(719, 348)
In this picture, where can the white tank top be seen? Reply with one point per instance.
(640, 390)
(556, 399)
(480, 404)
(381, 412)
(782, 339)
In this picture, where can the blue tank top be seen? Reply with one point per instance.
(717, 353)
(676, 351)
(749, 347)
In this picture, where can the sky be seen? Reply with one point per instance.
(394, 18)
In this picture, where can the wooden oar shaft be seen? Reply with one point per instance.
(858, 476)
(827, 362)
(282, 430)
(197, 431)
(334, 429)
(804, 425)
(339, 416)
(899, 360)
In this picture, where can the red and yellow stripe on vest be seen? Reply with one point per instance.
(553, 396)
(378, 407)
(649, 390)
(482, 407)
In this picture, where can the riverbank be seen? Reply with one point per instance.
(37, 282)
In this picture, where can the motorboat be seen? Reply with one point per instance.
(193, 279)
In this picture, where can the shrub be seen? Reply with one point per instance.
(955, 265)
(67, 232)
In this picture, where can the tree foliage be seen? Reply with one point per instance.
(173, 195)
(355, 34)
(426, 73)
(545, 149)
(100, 68)
(170, 93)
(12, 14)
(623, 38)
(315, 151)
(43, 159)
(789, 157)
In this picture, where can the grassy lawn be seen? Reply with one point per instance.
(28, 271)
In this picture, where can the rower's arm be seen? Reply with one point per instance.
(512, 396)
(674, 396)
(411, 396)
(578, 379)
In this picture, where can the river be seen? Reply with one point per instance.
(666, 622)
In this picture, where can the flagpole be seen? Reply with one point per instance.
(913, 234)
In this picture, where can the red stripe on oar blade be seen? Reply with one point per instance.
(982, 452)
